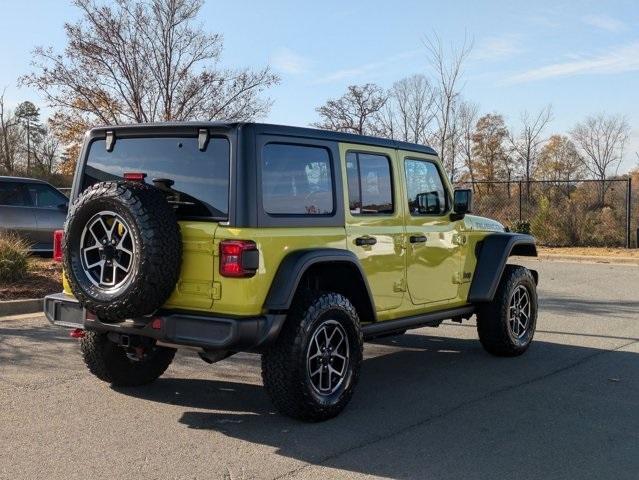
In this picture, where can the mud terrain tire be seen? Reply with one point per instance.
(154, 238)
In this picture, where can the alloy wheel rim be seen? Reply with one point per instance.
(328, 357)
(107, 250)
(519, 310)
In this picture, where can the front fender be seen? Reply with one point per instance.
(491, 261)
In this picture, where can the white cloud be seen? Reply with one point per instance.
(604, 22)
(287, 61)
(620, 59)
(357, 71)
(367, 68)
(494, 48)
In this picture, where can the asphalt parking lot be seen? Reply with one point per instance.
(430, 404)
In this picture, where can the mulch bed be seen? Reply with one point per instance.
(44, 277)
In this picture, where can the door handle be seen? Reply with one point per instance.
(418, 239)
(365, 241)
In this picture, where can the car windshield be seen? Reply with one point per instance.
(195, 182)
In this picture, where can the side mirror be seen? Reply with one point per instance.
(462, 202)
(428, 203)
(64, 206)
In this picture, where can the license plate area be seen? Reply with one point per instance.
(64, 313)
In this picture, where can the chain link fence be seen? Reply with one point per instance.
(564, 213)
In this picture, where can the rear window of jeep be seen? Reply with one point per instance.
(195, 182)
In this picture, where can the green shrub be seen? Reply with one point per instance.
(521, 227)
(14, 257)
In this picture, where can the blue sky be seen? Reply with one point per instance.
(580, 56)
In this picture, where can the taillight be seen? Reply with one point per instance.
(238, 258)
(58, 236)
(134, 176)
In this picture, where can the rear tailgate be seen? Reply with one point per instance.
(195, 178)
(196, 289)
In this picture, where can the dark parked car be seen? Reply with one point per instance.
(33, 209)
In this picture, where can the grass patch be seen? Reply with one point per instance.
(14, 258)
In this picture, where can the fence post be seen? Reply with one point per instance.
(629, 213)
(520, 217)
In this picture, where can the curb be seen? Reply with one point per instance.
(20, 307)
(591, 259)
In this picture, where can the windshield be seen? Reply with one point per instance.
(196, 183)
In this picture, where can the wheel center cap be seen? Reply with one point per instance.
(109, 252)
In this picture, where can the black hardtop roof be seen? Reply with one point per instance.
(273, 129)
(21, 180)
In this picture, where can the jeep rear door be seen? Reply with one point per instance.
(374, 220)
(433, 250)
(195, 179)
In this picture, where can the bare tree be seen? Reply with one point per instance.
(387, 123)
(409, 112)
(354, 112)
(447, 67)
(601, 140)
(454, 156)
(9, 137)
(526, 144)
(47, 152)
(144, 61)
(468, 114)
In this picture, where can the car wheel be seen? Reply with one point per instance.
(136, 365)
(506, 325)
(311, 370)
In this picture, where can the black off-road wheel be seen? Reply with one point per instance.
(137, 365)
(506, 325)
(311, 370)
(122, 249)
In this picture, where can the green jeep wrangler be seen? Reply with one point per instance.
(294, 243)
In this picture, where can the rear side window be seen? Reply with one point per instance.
(425, 188)
(44, 196)
(296, 180)
(370, 184)
(195, 182)
(13, 195)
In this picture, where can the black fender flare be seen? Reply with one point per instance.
(295, 264)
(492, 256)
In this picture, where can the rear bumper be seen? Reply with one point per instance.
(207, 332)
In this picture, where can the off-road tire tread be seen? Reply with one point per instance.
(492, 317)
(284, 378)
(160, 258)
(108, 362)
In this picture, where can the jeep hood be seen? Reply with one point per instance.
(483, 224)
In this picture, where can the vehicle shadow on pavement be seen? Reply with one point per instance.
(582, 306)
(440, 407)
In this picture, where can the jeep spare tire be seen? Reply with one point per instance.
(122, 249)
